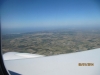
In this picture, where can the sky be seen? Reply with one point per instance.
(23, 14)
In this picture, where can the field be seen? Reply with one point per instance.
(52, 42)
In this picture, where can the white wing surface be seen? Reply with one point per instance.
(64, 64)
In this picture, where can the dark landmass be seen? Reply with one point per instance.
(52, 42)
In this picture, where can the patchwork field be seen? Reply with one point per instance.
(51, 42)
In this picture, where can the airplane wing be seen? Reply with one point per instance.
(79, 63)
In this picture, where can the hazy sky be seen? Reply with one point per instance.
(49, 13)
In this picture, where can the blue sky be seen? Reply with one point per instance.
(49, 13)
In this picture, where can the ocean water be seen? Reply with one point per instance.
(16, 31)
(24, 30)
(39, 29)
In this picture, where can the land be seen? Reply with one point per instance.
(52, 42)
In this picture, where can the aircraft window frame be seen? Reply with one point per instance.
(3, 70)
